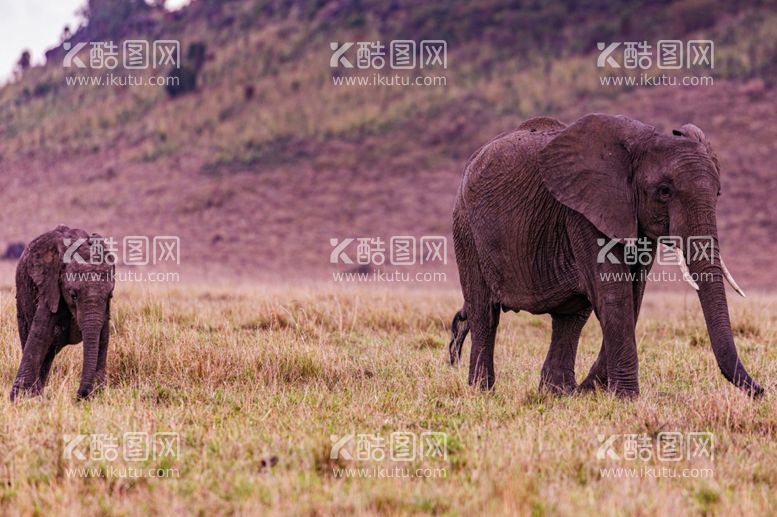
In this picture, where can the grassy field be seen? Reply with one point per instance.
(255, 381)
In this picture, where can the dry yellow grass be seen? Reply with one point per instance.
(256, 373)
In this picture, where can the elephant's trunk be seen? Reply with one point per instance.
(91, 323)
(708, 273)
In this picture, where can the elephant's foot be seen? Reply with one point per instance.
(624, 387)
(596, 378)
(25, 390)
(559, 382)
(482, 378)
(87, 392)
(592, 383)
(100, 381)
(16, 392)
(626, 394)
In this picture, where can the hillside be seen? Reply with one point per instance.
(268, 159)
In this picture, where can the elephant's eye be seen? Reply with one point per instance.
(74, 295)
(664, 192)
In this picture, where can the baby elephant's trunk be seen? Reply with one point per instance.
(91, 328)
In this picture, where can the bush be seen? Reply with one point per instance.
(693, 15)
(186, 76)
(42, 89)
(196, 54)
(107, 17)
(185, 81)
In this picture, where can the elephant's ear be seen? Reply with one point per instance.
(45, 266)
(589, 168)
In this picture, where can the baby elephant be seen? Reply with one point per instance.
(63, 294)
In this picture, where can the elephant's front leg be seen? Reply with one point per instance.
(614, 308)
(45, 368)
(597, 376)
(35, 351)
(61, 333)
(558, 371)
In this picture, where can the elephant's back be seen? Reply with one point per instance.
(543, 125)
(512, 153)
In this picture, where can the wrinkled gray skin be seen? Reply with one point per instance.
(56, 308)
(528, 214)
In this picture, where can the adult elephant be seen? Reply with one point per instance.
(532, 213)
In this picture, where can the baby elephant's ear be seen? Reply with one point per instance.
(588, 168)
(45, 267)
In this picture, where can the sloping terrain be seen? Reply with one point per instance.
(268, 159)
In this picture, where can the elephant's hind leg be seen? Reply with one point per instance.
(482, 313)
(484, 319)
(481, 308)
(558, 371)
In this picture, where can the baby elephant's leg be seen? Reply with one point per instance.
(39, 343)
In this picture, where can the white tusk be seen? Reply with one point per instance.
(683, 266)
(731, 278)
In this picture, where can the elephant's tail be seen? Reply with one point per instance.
(458, 333)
